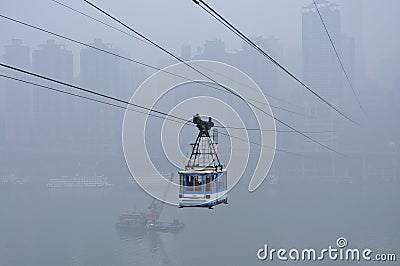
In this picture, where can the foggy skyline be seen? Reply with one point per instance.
(370, 23)
(77, 173)
(95, 129)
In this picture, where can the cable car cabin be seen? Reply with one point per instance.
(202, 188)
(203, 183)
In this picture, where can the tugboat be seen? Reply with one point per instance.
(139, 222)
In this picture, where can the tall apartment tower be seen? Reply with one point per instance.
(16, 103)
(54, 60)
(322, 72)
(52, 111)
(110, 75)
(320, 67)
(264, 73)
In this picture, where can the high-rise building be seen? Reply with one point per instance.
(17, 101)
(214, 50)
(54, 60)
(357, 26)
(186, 51)
(108, 74)
(258, 67)
(17, 54)
(100, 71)
(321, 71)
(320, 67)
(348, 58)
(52, 110)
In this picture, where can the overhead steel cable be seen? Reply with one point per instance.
(131, 60)
(117, 55)
(174, 56)
(227, 24)
(299, 132)
(217, 83)
(273, 130)
(118, 106)
(163, 49)
(90, 46)
(102, 50)
(87, 90)
(258, 144)
(165, 117)
(267, 130)
(292, 112)
(144, 41)
(85, 97)
(99, 21)
(338, 57)
(249, 100)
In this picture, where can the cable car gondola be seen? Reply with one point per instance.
(203, 182)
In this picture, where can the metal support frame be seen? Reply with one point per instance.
(203, 146)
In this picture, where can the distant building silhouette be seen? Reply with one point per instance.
(113, 76)
(186, 51)
(293, 60)
(98, 70)
(257, 66)
(214, 50)
(247, 59)
(17, 54)
(53, 60)
(17, 101)
(107, 73)
(321, 69)
(52, 111)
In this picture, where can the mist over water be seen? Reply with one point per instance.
(77, 227)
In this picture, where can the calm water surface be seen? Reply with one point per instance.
(77, 226)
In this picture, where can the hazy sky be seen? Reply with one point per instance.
(172, 23)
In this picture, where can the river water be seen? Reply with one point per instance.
(40, 226)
